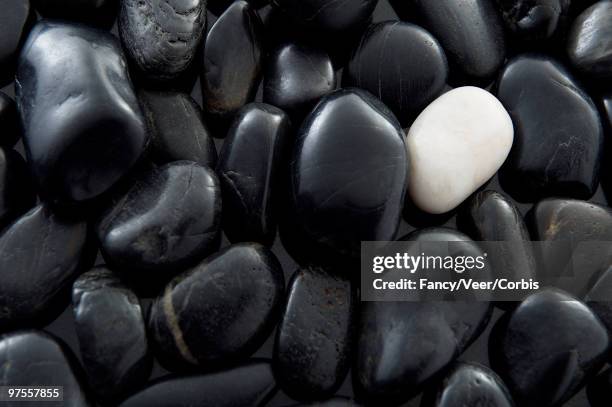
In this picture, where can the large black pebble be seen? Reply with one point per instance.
(15, 21)
(313, 341)
(17, 192)
(10, 127)
(599, 390)
(40, 255)
(348, 173)
(233, 60)
(400, 63)
(110, 327)
(168, 220)
(470, 31)
(296, 77)
(83, 125)
(96, 12)
(533, 20)
(35, 358)
(469, 384)
(220, 311)
(249, 385)
(250, 166)
(162, 38)
(558, 141)
(177, 128)
(548, 348)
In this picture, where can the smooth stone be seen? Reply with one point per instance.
(220, 311)
(250, 165)
(17, 191)
(533, 20)
(83, 125)
(599, 298)
(558, 133)
(169, 220)
(469, 384)
(589, 44)
(10, 127)
(48, 252)
(327, 17)
(161, 37)
(96, 12)
(313, 341)
(35, 358)
(15, 21)
(177, 129)
(349, 172)
(333, 402)
(471, 33)
(296, 77)
(455, 146)
(548, 348)
(599, 390)
(233, 61)
(111, 331)
(248, 385)
(401, 64)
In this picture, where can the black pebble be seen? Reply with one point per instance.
(17, 192)
(111, 331)
(558, 140)
(599, 390)
(400, 63)
(313, 341)
(83, 125)
(533, 20)
(220, 311)
(10, 127)
(177, 128)
(250, 165)
(96, 12)
(15, 21)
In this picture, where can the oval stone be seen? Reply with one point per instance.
(400, 63)
(533, 20)
(220, 311)
(313, 340)
(455, 146)
(599, 390)
(17, 192)
(161, 38)
(249, 171)
(349, 172)
(168, 220)
(96, 12)
(177, 129)
(547, 348)
(233, 59)
(83, 126)
(479, 51)
(589, 44)
(469, 384)
(10, 127)
(48, 251)
(296, 77)
(15, 22)
(559, 136)
(251, 384)
(111, 331)
(35, 358)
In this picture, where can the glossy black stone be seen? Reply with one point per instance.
(15, 22)
(547, 348)
(479, 50)
(400, 63)
(17, 192)
(251, 384)
(469, 384)
(96, 12)
(161, 38)
(589, 44)
(35, 358)
(348, 173)
(10, 128)
(533, 19)
(220, 311)
(296, 77)
(250, 163)
(83, 126)
(558, 139)
(111, 331)
(313, 341)
(47, 251)
(233, 59)
(177, 129)
(169, 219)
(599, 390)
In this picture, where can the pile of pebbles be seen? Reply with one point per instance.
(184, 186)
